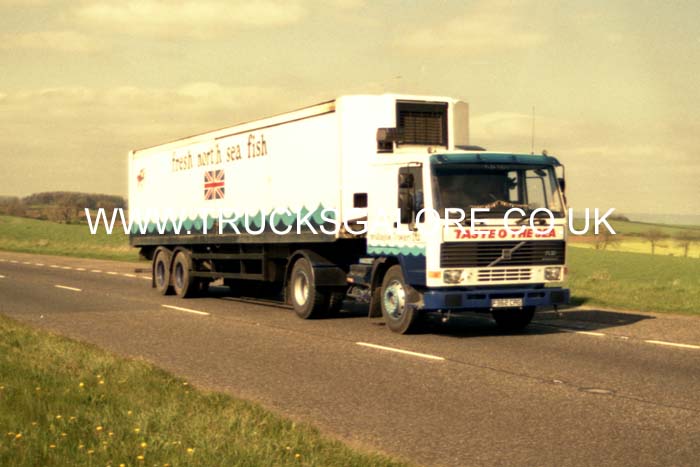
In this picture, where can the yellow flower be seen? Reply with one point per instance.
(63, 435)
(129, 412)
(185, 383)
(122, 465)
(190, 450)
(71, 419)
(139, 457)
(18, 435)
(102, 381)
(99, 376)
(110, 433)
(297, 456)
(91, 451)
(104, 443)
(38, 388)
(52, 446)
(35, 423)
(98, 428)
(2, 387)
(82, 385)
(144, 445)
(137, 429)
(58, 417)
(81, 446)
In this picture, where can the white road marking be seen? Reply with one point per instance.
(14, 261)
(1, 276)
(673, 344)
(26, 262)
(405, 352)
(66, 267)
(129, 275)
(68, 288)
(204, 313)
(3, 260)
(112, 273)
(38, 264)
(55, 266)
(145, 277)
(80, 269)
(95, 270)
(591, 333)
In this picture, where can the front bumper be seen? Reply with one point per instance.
(481, 298)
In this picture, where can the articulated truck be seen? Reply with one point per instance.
(377, 199)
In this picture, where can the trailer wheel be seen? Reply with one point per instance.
(514, 319)
(184, 284)
(308, 301)
(161, 272)
(399, 317)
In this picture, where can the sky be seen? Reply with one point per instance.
(614, 84)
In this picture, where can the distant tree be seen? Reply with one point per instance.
(619, 217)
(605, 239)
(685, 238)
(654, 236)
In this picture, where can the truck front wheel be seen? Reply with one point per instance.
(398, 316)
(308, 301)
(513, 319)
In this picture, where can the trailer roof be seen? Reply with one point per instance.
(277, 119)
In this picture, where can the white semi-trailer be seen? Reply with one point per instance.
(331, 203)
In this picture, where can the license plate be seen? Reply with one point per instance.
(506, 302)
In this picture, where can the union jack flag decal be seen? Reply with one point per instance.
(214, 184)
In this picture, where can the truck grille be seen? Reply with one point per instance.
(480, 254)
(497, 275)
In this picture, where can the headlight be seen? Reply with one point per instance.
(552, 273)
(452, 276)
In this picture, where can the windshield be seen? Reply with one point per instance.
(497, 187)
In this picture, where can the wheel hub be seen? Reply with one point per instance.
(301, 288)
(394, 298)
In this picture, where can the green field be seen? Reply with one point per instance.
(634, 281)
(638, 228)
(45, 237)
(63, 403)
(624, 276)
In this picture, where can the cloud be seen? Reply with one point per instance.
(487, 27)
(188, 18)
(62, 41)
(78, 137)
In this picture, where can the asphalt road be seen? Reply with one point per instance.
(589, 388)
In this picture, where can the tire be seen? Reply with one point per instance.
(161, 272)
(514, 319)
(397, 316)
(184, 284)
(309, 301)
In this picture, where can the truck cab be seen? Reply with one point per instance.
(474, 231)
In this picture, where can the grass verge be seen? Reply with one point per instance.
(634, 281)
(51, 238)
(67, 403)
